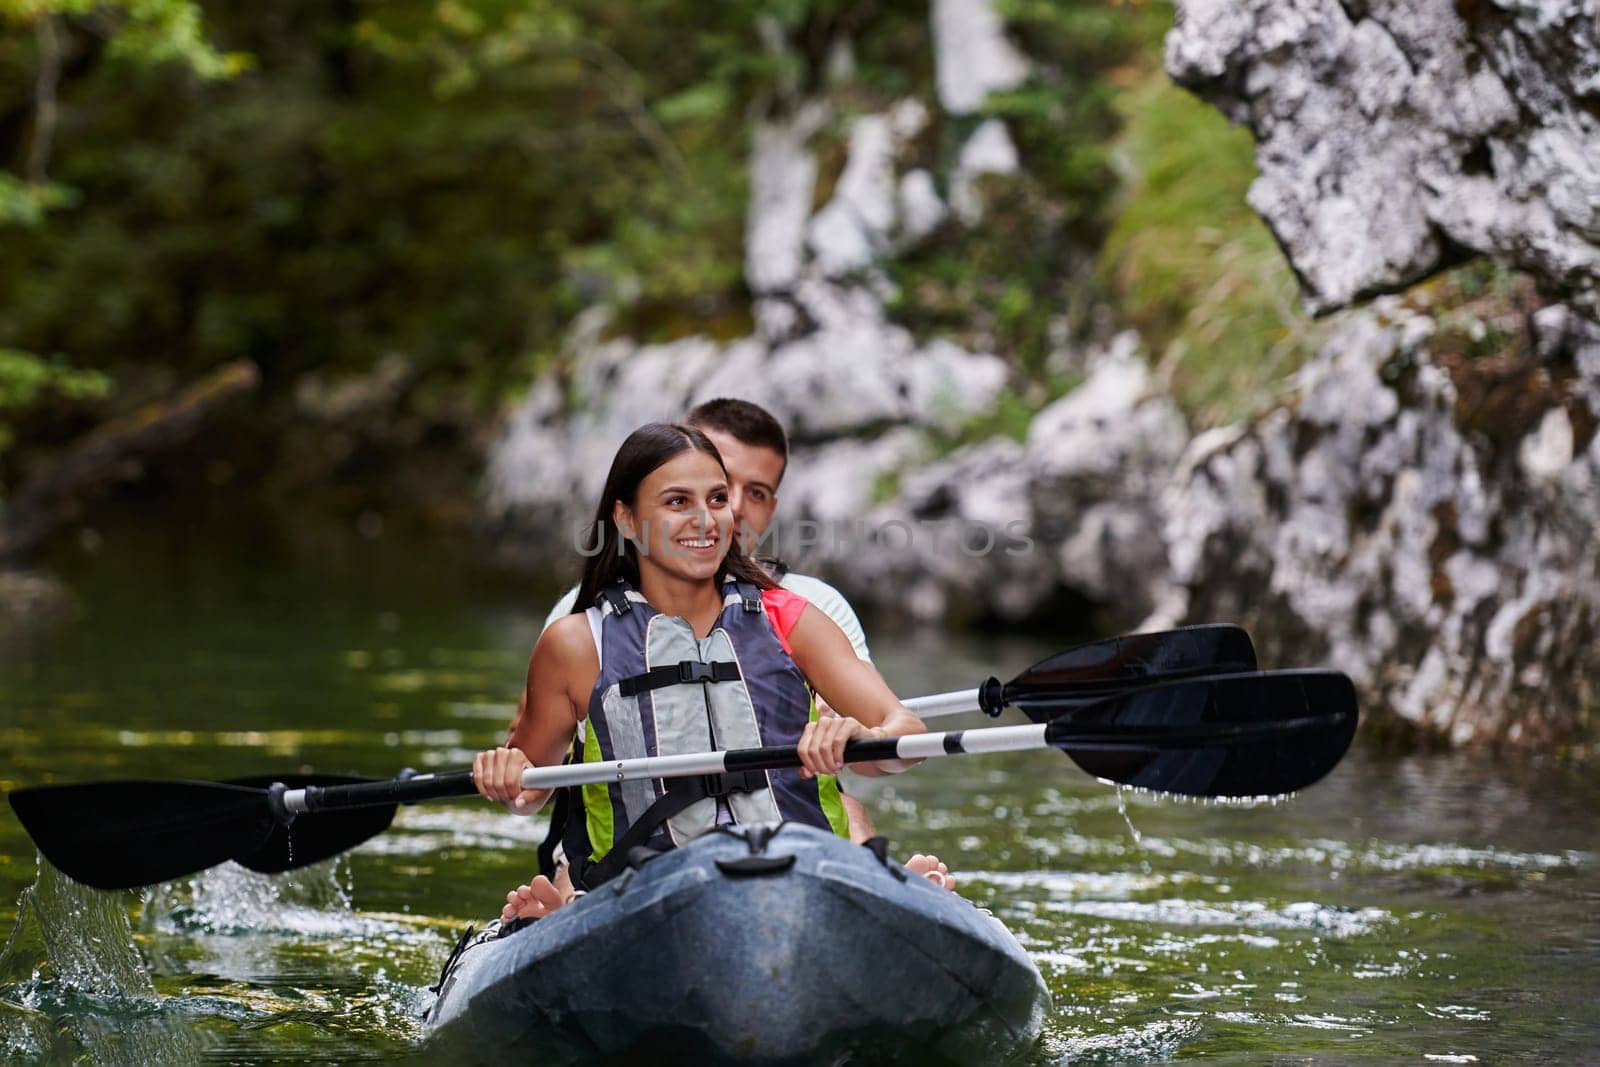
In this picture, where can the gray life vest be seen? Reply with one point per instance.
(663, 691)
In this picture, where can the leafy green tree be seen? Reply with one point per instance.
(138, 33)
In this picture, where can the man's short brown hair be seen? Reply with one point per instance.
(745, 422)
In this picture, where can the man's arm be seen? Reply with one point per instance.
(828, 600)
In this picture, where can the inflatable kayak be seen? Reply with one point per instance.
(754, 944)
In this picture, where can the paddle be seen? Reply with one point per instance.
(1237, 735)
(1101, 669)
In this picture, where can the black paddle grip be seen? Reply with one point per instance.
(762, 759)
(393, 791)
(992, 697)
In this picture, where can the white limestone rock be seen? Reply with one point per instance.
(1098, 459)
(988, 151)
(972, 55)
(837, 381)
(783, 176)
(551, 458)
(838, 481)
(956, 540)
(852, 229)
(948, 386)
(921, 209)
(1546, 452)
(1458, 586)
(1390, 134)
(858, 373)
(1114, 421)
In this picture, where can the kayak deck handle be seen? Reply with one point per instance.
(754, 866)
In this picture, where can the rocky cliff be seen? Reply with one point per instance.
(1426, 509)
(1422, 518)
(1396, 138)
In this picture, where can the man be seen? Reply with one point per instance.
(755, 451)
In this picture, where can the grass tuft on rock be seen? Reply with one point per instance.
(1193, 267)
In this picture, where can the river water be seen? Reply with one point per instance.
(1433, 908)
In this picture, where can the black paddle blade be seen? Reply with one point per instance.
(122, 835)
(1238, 735)
(1091, 673)
(313, 836)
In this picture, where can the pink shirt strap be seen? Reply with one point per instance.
(783, 611)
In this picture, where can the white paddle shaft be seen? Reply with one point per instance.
(931, 707)
(916, 746)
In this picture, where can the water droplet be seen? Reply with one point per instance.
(1122, 809)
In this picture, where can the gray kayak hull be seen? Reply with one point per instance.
(749, 946)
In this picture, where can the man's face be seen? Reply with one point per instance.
(753, 476)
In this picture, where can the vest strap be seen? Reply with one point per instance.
(616, 594)
(559, 814)
(684, 672)
(749, 597)
(680, 794)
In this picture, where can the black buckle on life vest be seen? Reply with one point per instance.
(692, 670)
(749, 597)
(684, 672)
(616, 594)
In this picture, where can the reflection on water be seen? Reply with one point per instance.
(1435, 908)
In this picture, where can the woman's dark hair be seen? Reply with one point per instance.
(613, 556)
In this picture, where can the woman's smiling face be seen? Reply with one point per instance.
(680, 520)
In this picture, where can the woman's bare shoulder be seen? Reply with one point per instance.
(568, 639)
(563, 670)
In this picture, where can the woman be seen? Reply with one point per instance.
(732, 655)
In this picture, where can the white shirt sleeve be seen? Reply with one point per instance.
(563, 607)
(831, 603)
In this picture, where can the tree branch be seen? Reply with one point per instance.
(44, 95)
(55, 492)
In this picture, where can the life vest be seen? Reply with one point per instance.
(662, 691)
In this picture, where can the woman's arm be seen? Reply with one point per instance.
(853, 687)
(561, 672)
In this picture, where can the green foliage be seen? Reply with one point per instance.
(171, 31)
(1007, 286)
(449, 181)
(138, 34)
(24, 377)
(25, 203)
(1013, 412)
(320, 184)
(26, 380)
(705, 102)
(1193, 266)
(885, 486)
(139, 31)
(1065, 118)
